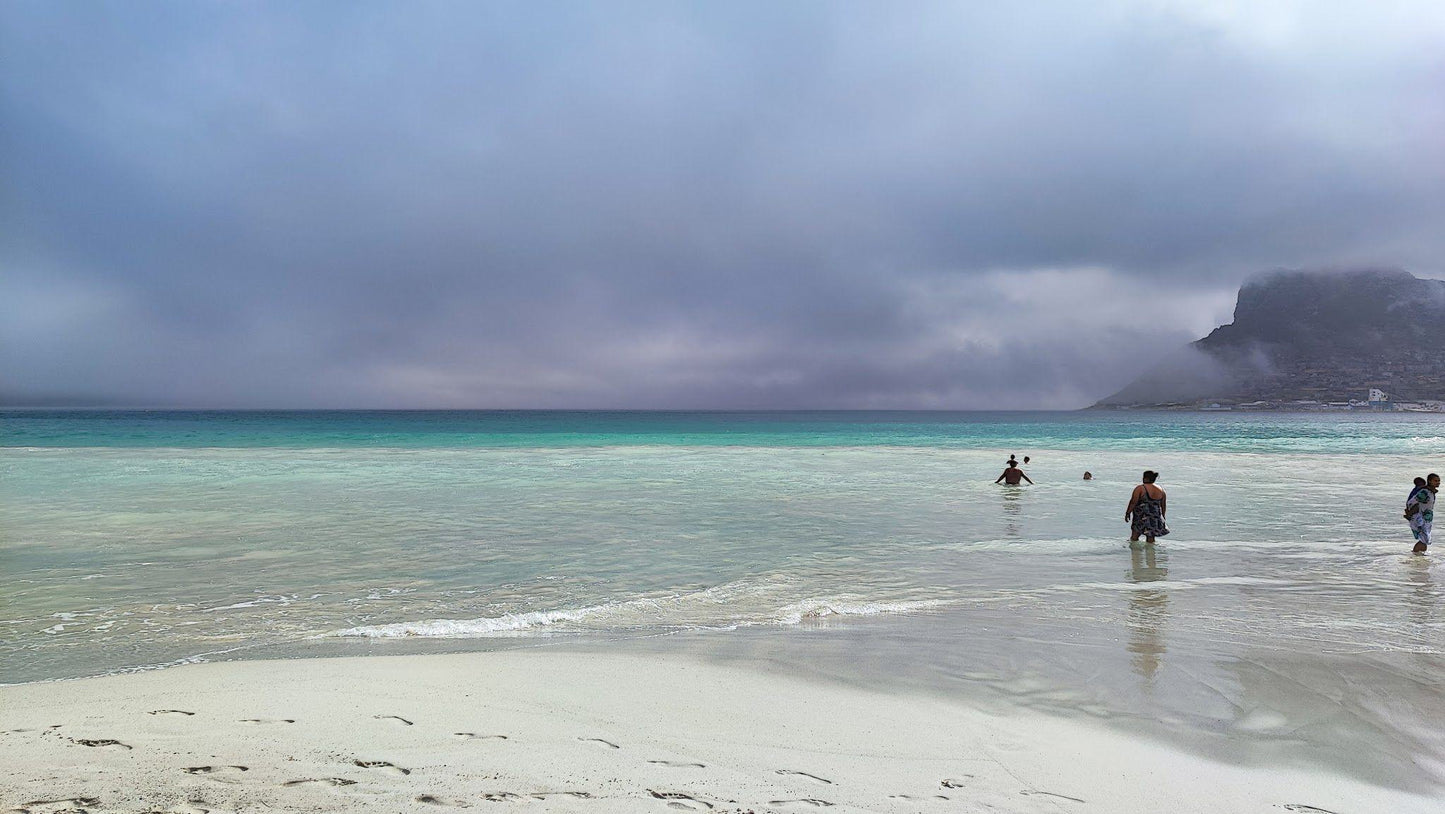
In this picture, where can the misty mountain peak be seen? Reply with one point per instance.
(1311, 335)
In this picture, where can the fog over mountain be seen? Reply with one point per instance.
(1326, 336)
(685, 205)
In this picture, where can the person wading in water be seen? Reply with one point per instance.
(1420, 511)
(1146, 510)
(1012, 474)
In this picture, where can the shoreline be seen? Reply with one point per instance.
(589, 731)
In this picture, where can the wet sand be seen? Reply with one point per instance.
(543, 730)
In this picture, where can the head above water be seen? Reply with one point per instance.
(1150, 476)
(1088, 475)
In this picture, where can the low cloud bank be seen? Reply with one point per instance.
(674, 205)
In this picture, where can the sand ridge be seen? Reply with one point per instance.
(545, 730)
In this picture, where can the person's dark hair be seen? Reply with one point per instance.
(1432, 476)
(1419, 481)
(1150, 476)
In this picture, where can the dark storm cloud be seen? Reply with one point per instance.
(678, 205)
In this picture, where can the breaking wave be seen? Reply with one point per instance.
(721, 608)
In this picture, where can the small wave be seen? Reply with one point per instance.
(473, 628)
(262, 600)
(813, 609)
(709, 609)
(1153, 585)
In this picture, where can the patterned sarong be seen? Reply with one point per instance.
(1424, 515)
(1148, 517)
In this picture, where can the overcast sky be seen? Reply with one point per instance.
(679, 205)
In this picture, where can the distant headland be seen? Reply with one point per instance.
(1311, 340)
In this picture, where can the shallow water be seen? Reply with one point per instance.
(873, 547)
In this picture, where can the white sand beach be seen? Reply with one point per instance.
(547, 730)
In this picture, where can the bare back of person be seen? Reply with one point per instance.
(1013, 476)
(1149, 489)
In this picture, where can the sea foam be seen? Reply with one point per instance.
(675, 612)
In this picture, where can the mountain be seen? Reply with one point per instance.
(1310, 336)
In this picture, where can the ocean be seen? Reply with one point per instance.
(1283, 617)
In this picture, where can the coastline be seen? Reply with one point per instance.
(590, 731)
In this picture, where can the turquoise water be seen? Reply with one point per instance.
(874, 547)
(1408, 433)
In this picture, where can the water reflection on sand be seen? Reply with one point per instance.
(1148, 609)
(1013, 507)
(1423, 597)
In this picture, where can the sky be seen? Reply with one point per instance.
(674, 205)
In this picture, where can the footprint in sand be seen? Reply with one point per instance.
(805, 776)
(393, 718)
(1307, 809)
(911, 797)
(472, 736)
(57, 806)
(381, 764)
(100, 742)
(673, 764)
(501, 797)
(953, 782)
(169, 712)
(440, 801)
(608, 744)
(216, 769)
(320, 781)
(264, 721)
(1031, 792)
(806, 802)
(678, 800)
(578, 795)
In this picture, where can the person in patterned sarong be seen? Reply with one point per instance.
(1146, 510)
(1420, 511)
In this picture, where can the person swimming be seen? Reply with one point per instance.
(1088, 475)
